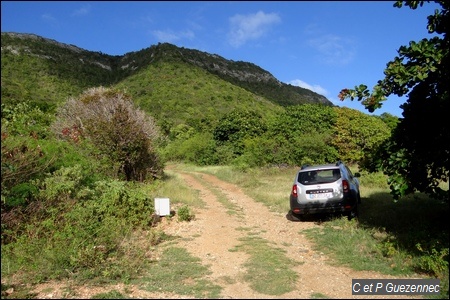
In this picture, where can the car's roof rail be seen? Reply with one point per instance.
(304, 166)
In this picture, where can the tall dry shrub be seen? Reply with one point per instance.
(124, 133)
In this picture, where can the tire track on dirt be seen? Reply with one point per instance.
(210, 237)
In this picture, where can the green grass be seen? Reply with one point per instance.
(268, 270)
(319, 296)
(175, 188)
(334, 237)
(232, 209)
(110, 295)
(181, 273)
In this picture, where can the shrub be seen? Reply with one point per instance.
(62, 184)
(185, 214)
(199, 149)
(121, 131)
(22, 160)
(84, 238)
(434, 261)
(237, 125)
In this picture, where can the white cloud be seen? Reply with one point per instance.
(170, 36)
(250, 27)
(49, 19)
(84, 10)
(333, 50)
(315, 88)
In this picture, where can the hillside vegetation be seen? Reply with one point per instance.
(50, 72)
(176, 93)
(189, 93)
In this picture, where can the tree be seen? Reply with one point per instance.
(237, 125)
(417, 156)
(357, 135)
(390, 120)
(115, 126)
(302, 134)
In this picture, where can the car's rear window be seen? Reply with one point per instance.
(318, 176)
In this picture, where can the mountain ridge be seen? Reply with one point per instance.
(244, 74)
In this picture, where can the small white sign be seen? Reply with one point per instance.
(162, 206)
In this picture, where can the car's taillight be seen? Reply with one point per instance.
(345, 186)
(294, 190)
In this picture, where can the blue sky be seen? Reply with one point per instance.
(324, 46)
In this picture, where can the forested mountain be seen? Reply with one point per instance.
(162, 78)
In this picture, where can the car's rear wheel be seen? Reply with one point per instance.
(293, 216)
(353, 213)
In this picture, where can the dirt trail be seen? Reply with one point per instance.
(214, 232)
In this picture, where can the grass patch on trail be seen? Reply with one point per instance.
(180, 273)
(268, 270)
(232, 209)
(110, 295)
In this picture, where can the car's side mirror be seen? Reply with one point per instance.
(357, 174)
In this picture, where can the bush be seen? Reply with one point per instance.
(79, 237)
(185, 214)
(116, 127)
(434, 261)
(22, 160)
(237, 125)
(199, 149)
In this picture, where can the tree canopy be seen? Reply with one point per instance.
(417, 156)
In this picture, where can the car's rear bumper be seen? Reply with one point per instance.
(316, 207)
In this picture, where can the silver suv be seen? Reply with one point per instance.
(330, 188)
